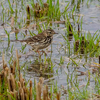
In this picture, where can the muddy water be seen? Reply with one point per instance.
(66, 73)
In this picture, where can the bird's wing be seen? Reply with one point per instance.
(36, 38)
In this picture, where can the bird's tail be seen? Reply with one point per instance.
(17, 40)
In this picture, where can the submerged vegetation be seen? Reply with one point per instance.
(70, 65)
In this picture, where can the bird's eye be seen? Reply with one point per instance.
(49, 32)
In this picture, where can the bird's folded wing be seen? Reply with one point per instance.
(36, 38)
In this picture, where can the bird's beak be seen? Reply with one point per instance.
(56, 33)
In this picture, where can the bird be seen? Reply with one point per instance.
(40, 41)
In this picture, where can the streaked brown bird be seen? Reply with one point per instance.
(41, 40)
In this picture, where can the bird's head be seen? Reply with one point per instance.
(49, 32)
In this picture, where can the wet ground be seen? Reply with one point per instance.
(74, 68)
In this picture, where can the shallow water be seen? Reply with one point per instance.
(63, 74)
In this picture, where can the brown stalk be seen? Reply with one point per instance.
(26, 93)
(48, 99)
(12, 81)
(16, 31)
(12, 94)
(0, 84)
(99, 59)
(41, 80)
(30, 92)
(78, 30)
(1, 81)
(5, 74)
(26, 97)
(14, 66)
(19, 84)
(39, 91)
(58, 96)
(12, 22)
(82, 47)
(21, 80)
(5, 79)
(44, 94)
(15, 95)
(20, 91)
(9, 86)
(5, 65)
(19, 88)
(22, 95)
(3, 60)
(47, 91)
(7, 71)
(45, 5)
(11, 68)
(99, 65)
(28, 11)
(24, 86)
(28, 15)
(18, 63)
(76, 45)
(8, 94)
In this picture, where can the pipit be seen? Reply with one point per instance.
(40, 41)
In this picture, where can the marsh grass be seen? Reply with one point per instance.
(54, 10)
(8, 34)
(90, 48)
(88, 43)
(11, 9)
(43, 65)
(49, 9)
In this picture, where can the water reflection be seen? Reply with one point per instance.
(41, 69)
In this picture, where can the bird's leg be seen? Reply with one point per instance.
(38, 52)
(44, 52)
